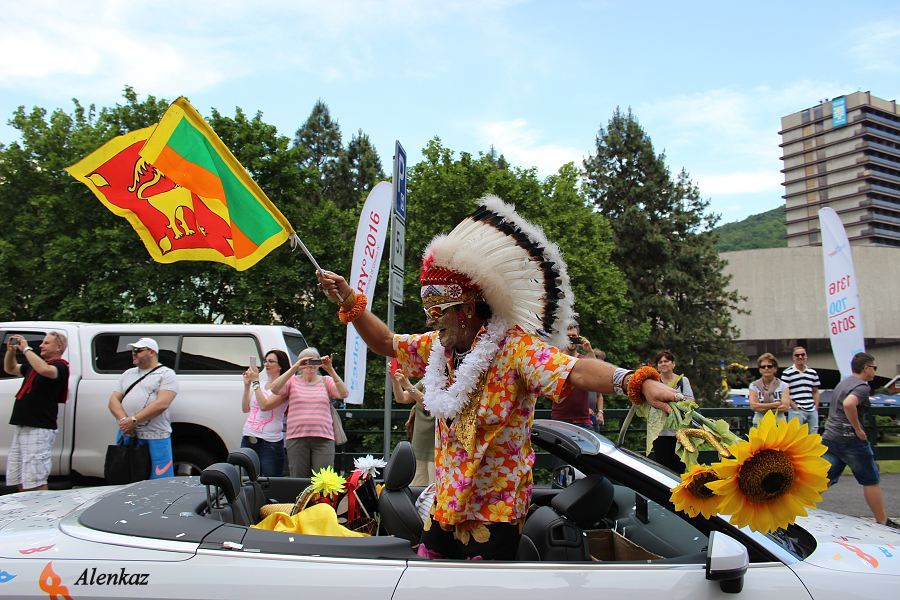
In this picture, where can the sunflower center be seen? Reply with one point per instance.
(766, 475)
(698, 488)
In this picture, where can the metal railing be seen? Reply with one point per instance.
(365, 431)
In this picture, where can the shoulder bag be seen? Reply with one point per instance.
(128, 460)
(340, 437)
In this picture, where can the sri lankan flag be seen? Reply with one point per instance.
(184, 192)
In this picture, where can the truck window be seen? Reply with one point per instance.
(34, 339)
(219, 353)
(295, 343)
(112, 354)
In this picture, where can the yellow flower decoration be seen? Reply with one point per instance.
(692, 496)
(326, 482)
(774, 477)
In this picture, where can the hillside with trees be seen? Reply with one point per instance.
(763, 230)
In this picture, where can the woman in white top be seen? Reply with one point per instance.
(768, 392)
(264, 429)
(664, 444)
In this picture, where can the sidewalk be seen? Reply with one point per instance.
(846, 497)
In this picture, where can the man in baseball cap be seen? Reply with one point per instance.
(145, 343)
(141, 405)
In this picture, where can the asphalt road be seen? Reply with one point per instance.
(846, 497)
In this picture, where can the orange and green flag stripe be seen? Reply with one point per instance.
(184, 148)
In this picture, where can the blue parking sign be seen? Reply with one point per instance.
(400, 182)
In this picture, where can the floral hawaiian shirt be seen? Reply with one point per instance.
(492, 484)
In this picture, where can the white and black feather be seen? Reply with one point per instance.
(521, 273)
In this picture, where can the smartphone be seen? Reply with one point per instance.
(314, 361)
(252, 362)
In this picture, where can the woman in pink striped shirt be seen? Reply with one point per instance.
(310, 432)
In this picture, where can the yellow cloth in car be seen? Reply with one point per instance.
(318, 519)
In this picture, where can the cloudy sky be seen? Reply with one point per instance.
(709, 81)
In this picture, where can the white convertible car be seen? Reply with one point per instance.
(610, 535)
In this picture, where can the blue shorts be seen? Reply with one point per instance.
(161, 464)
(857, 455)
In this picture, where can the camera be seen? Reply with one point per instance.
(574, 339)
(314, 361)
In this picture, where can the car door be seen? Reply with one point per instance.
(589, 581)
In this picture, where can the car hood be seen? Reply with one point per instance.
(29, 522)
(852, 544)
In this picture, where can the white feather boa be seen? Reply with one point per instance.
(444, 402)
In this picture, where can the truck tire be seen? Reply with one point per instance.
(191, 460)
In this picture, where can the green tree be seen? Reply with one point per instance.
(356, 172)
(320, 139)
(664, 245)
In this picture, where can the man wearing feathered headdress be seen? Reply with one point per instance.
(497, 296)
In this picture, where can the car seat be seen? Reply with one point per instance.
(396, 504)
(225, 479)
(557, 531)
(247, 462)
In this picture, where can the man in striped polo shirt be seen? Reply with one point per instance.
(803, 383)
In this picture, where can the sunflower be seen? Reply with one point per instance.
(774, 477)
(691, 496)
(326, 482)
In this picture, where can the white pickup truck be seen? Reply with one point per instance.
(206, 414)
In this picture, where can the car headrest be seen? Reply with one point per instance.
(247, 459)
(401, 468)
(225, 477)
(586, 501)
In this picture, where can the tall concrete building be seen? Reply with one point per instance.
(843, 153)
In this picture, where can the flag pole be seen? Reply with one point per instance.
(296, 241)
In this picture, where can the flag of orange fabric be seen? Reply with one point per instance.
(184, 192)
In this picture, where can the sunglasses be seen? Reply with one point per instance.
(767, 367)
(137, 350)
(874, 367)
(799, 355)
(434, 312)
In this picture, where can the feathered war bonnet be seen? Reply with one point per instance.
(497, 255)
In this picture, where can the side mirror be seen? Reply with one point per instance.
(726, 562)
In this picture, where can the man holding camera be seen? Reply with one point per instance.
(579, 407)
(34, 412)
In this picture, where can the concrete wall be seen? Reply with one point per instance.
(785, 294)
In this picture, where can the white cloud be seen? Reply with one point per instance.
(876, 46)
(729, 124)
(727, 139)
(740, 182)
(69, 49)
(523, 146)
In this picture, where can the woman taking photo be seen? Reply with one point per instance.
(768, 392)
(664, 444)
(264, 429)
(310, 430)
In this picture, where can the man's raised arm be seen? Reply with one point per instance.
(371, 329)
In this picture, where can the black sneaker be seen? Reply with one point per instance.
(892, 524)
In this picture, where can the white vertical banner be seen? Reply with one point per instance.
(371, 233)
(845, 326)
